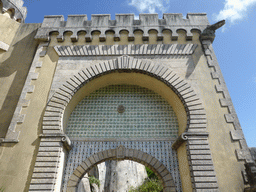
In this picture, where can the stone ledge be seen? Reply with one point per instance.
(4, 46)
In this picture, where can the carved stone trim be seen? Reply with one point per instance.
(109, 50)
(46, 169)
(200, 160)
(55, 108)
(12, 135)
(122, 153)
(243, 152)
(61, 137)
(4, 46)
(231, 117)
(198, 149)
(184, 137)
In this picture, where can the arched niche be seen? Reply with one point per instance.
(119, 78)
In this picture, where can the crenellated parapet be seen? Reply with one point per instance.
(103, 24)
(15, 9)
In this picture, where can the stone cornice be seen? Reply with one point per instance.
(103, 23)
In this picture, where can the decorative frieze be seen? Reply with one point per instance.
(243, 152)
(231, 117)
(118, 50)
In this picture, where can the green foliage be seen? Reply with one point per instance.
(151, 174)
(149, 185)
(1, 189)
(92, 179)
(152, 184)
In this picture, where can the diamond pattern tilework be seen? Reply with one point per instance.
(146, 115)
(161, 150)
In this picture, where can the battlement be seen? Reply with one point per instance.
(123, 22)
(19, 12)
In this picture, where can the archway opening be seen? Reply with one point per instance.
(120, 175)
(123, 153)
(124, 114)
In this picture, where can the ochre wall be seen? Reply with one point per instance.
(226, 165)
(14, 65)
(15, 159)
(8, 29)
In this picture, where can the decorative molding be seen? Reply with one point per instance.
(58, 102)
(119, 139)
(123, 153)
(44, 50)
(200, 160)
(231, 117)
(109, 50)
(103, 23)
(202, 171)
(12, 135)
(184, 137)
(47, 164)
(4, 46)
(199, 154)
(83, 150)
(243, 152)
(63, 138)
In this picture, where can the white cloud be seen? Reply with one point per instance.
(137, 17)
(234, 10)
(150, 5)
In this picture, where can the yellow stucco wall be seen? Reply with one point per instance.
(8, 29)
(16, 159)
(227, 167)
(14, 67)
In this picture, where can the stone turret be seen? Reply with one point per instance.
(15, 9)
(12, 13)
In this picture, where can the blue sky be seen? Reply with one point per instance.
(234, 45)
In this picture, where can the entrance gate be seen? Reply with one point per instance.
(196, 155)
(146, 123)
